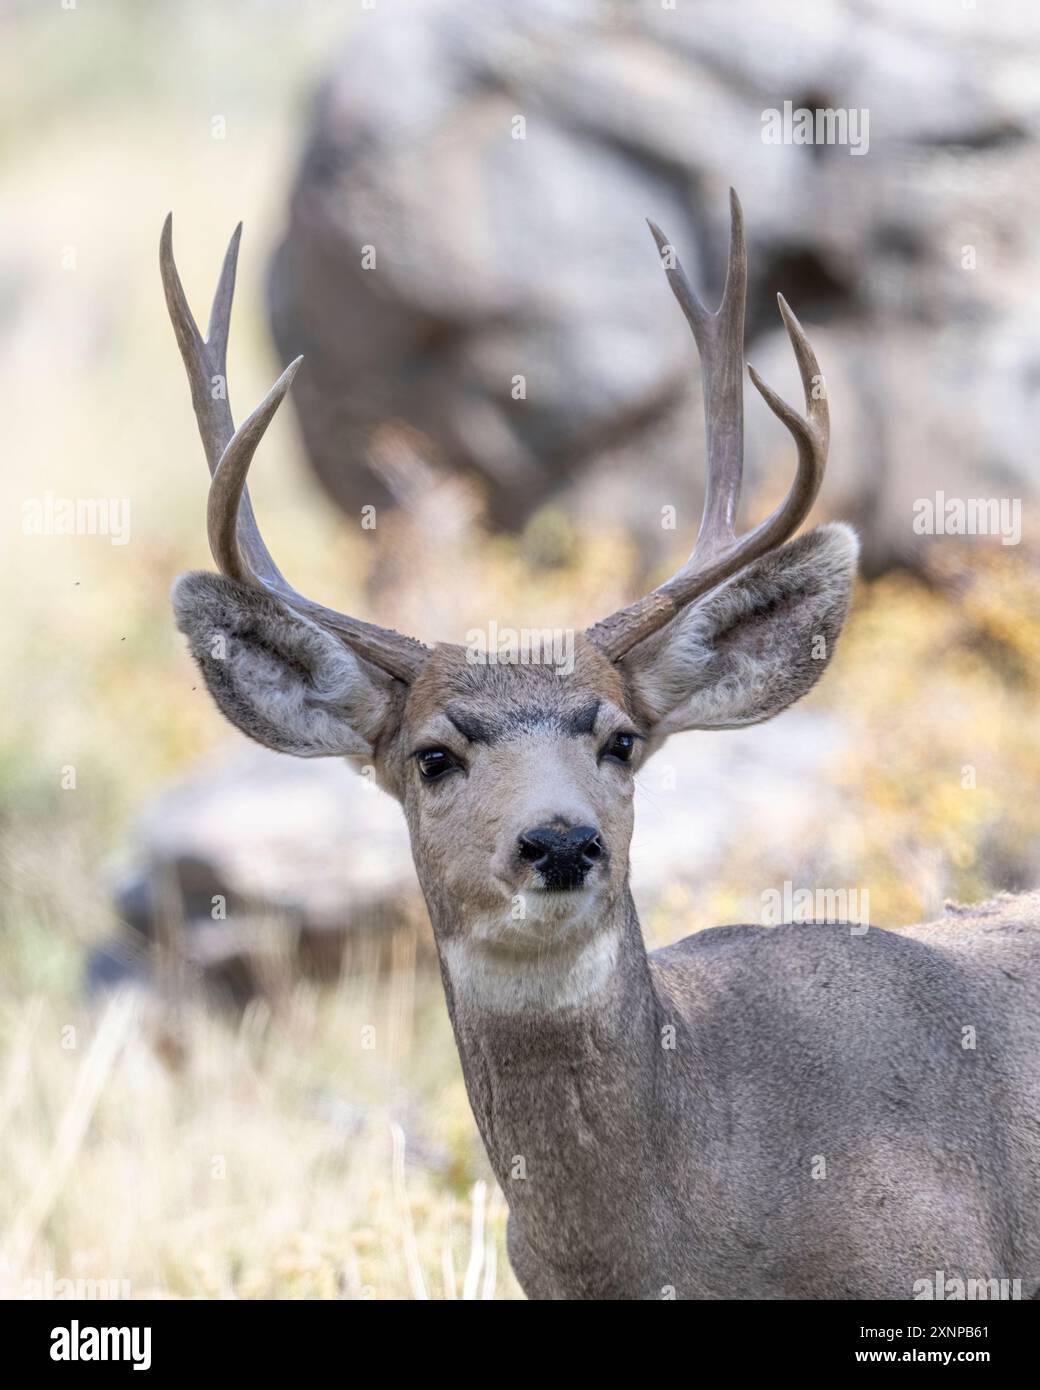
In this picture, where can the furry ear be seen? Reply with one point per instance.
(280, 678)
(751, 647)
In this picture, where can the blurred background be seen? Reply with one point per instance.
(225, 1065)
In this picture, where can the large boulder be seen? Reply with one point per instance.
(497, 160)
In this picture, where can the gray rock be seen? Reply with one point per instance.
(499, 258)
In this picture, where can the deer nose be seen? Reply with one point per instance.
(562, 857)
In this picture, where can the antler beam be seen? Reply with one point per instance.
(719, 553)
(234, 536)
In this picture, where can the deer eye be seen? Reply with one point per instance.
(620, 747)
(434, 763)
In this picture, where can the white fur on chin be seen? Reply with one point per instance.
(553, 960)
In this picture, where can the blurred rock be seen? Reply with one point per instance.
(259, 870)
(499, 257)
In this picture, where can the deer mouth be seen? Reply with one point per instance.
(563, 884)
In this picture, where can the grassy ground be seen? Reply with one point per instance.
(322, 1146)
(322, 1150)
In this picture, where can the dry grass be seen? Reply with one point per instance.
(322, 1149)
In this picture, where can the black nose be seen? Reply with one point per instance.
(562, 857)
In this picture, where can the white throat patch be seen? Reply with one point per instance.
(486, 971)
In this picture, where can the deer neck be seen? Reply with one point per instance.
(557, 1068)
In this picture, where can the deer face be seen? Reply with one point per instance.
(517, 780)
(517, 784)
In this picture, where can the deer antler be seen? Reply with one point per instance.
(719, 553)
(234, 537)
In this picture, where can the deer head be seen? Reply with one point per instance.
(516, 780)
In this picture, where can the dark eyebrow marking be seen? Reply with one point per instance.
(472, 728)
(583, 721)
(513, 721)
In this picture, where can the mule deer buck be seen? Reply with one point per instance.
(749, 1113)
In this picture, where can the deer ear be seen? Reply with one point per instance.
(751, 647)
(280, 678)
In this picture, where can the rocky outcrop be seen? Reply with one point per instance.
(466, 262)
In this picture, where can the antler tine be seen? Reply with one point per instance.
(235, 540)
(205, 361)
(718, 553)
(720, 344)
(811, 435)
(229, 484)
